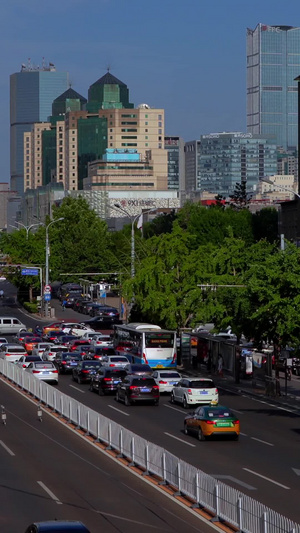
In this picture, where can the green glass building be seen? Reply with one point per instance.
(70, 100)
(92, 143)
(108, 93)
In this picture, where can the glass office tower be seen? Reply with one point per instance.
(273, 62)
(225, 159)
(32, 91)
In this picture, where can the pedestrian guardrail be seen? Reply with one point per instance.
(224, 502)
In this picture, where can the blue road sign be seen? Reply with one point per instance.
(30, 271)
(47, 297)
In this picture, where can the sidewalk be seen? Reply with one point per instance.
(227, 382)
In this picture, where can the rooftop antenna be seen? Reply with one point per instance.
(43, 63)
(108, 68)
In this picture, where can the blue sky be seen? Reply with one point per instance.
(186, 57)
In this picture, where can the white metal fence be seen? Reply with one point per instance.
(225, 502)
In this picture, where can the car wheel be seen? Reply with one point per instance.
(117, 396)
(156, 402)
(91, 388)
(200, 434)
(100, 391)
(127, 401)
(236, 437)
(185, 403)
(79, 380)
(172, 398)
(186, 431)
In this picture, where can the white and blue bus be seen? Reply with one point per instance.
(146, 343)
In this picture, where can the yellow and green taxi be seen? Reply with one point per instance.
(208, 421)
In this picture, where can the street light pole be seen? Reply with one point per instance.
(47, 261)
(270, 182)
(27, 228)
(133, 221)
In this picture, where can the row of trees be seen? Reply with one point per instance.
(256, 286)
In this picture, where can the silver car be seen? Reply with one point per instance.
(43, 370)
(166, 379)
(12, 352)
(114, 361)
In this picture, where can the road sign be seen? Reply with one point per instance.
(30, 271)
(47, 289)
(47, 297)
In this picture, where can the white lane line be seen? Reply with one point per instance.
(49, 492)
(243, 434)
(234, 480)
(181, 440)
(175, 408)
(266, 478)
(76, 388)
(236, 411)
(6, 448)
(119, 410)
(262, 441)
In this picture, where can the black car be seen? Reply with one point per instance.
(106, 313)
(139, 369)
(85, 370)
(57, 526)
(106, 380)
(96, 352)
(137, 389)
(92, 311)
(65, 339)
(80, 305)
(52, 336)
(66, 361)
(98, 323)
(83, 351)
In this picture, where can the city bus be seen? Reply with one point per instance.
(146, 343)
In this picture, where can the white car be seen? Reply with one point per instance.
(24, 361)
(89, 336)
(166, 379)
(43, 370)
(67, 326)
(80, 330)
(102, 340)
(3, 340)
(114, 361)
(12, 352)
(195, 391)
(50, 353)
(40, 347)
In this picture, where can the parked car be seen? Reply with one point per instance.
(43, 370)
(136, 389)
(50, 353)
(12, 352)
(57, 526)
(139, 369)
(66, 361)
(115, 361)
(98, 352)
(166, 379)
(40, 347)
(107, 314)
(193, 391)
(80, 305)
(93, 308)
(99, 323)
(106, 380)
(211, 421)
(84, 371)
(87, 308)
(24, 361)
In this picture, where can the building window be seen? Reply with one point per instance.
(146, 116)
(146, 137)
(146, 123)
(160, 131)
(160, 124)
(159, 145)
(146, 144)
(110, 131)
(159, 138)
(111, 137)
(73, 174)
(159, 117)
(146, 131)
(60, 136)
(111, 144)
(38, 174)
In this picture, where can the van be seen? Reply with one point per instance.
(10, 324)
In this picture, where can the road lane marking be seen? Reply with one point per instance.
(266, 478)
(243, 434)
(6, 448)
(181, 440)
(262, 441)
(297, 472)
(234, 480)
(236, 411)
(49, 492)
(76, 388)
(119, 410)
(175, 408)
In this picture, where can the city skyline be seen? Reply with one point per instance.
(190, 61)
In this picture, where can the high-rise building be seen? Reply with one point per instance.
(229, 158)
(273, 62)
(176, 170)
(192, 178)
(32, 91)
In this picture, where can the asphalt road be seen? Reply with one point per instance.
(48, 472)
(264, 464)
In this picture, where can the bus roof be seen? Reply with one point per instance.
(140, 325)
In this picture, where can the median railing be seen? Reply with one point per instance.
(224, 502)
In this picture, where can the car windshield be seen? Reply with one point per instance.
(71, 357)
(143, 382)
(219, 413)
(118, 359)
(116, 373)
(169, 375)
(32, 358)
(91, 364)
(16, 350)
(203, 384)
